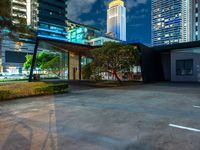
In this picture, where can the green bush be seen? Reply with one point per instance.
(4, 94)
(44, 90)
(58, 88)
(96, 77)
(51, 89)
(87, 71)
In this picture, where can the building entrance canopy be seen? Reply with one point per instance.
(74, 50)
(79, 49)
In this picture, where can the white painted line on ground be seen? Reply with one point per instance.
(184, 128)
(196, 106)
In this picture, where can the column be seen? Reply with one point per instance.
(74, 66)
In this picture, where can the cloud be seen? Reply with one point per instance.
(88, 22)
(134, 3)
(138, 14)
(78, 7)
(135, 25)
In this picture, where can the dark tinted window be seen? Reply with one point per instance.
(15, 57)
(184, 67)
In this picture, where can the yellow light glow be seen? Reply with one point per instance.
(116, 3)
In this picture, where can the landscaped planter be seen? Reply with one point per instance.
(19, 90)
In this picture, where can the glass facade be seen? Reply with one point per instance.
(184, 67)
(85, 61)
(82, 34)
(53, 62)
(47, 17)
(77, 35)
(174, 21)
(52, 31)
(166, 22)
(52, 17)
(195, 12)
(99, 41)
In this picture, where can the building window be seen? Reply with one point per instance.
(184, 67)
(196, 19)
(45, 26)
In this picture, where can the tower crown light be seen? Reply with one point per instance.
(116, 3)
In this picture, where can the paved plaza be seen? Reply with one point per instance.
(162, 116)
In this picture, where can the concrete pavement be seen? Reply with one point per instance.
(125, 118)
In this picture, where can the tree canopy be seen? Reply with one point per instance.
(115, 57)
(50, 62)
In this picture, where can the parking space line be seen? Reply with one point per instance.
(184, 128)
(196, 106)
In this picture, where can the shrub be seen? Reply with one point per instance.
(87, 71)
(51, 89)
(58, 88)
(43, 90)
(96, 77)
(4, 94)
(26, 89)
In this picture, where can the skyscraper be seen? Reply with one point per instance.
(175, 21)
(52, 17)
(195, 20)
(116, 19)
(24, 9)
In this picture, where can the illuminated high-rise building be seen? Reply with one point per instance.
(24, 10)
(195, 20)
(116, 19)
(52, 17)
(175, 21)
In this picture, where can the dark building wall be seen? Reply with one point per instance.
(151, 65)
(15, 57)
(166, 65)
(52, 11)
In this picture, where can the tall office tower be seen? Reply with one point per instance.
(33, 13)
(116, 20)
(24, 9)
(166, 22)
(195, 20)
(52, 17)
(175, 21)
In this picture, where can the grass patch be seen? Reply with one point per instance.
(26, 89)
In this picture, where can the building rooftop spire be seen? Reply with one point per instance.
(116, 3)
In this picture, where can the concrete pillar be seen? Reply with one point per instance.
(74, 66)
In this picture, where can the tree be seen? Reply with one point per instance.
(49, 62)
(27, 64)
(54, 66)
(114, 58)
(87, 71)
(13, 30)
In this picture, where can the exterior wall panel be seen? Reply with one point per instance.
(185, 56)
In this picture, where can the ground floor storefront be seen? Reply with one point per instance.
(74, 58)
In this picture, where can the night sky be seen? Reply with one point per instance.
(94, 13)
